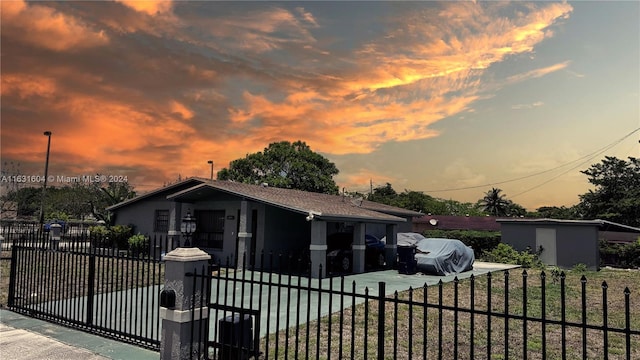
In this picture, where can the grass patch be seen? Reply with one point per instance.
(450, 333)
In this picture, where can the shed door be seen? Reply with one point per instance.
(547, 239)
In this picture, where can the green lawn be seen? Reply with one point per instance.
(617, 281)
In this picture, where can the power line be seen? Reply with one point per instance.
(575, 167)
(589, 156)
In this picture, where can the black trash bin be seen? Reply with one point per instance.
(407, 263)
(235, 334)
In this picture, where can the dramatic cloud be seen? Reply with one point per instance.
(44, 27)
(159, 87)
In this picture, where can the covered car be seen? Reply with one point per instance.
(438, 256)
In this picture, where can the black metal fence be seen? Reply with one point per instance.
(102, 291)
(73, 236)
(281, 315)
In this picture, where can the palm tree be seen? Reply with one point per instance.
(495, 203)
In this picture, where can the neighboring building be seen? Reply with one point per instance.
(564, 243)
(451, 222)
(236, 219)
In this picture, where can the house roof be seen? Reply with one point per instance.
(451, 222)
(323, 206)
(602, 224)
(167, 189)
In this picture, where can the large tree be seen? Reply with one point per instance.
(285, 165)
(616, 196)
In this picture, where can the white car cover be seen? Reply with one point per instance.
(439, 256)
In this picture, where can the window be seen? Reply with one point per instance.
(161, 223)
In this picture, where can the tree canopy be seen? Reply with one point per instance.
(418, 201)
(285, 165)
(616, 196)
(74, 201)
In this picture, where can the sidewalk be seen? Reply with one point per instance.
(23, 337)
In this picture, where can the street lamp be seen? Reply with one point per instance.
(210, 162)
(46, 173)
(187, 228)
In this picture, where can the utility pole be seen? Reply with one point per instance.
(46, 174)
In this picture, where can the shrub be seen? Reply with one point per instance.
(109, 237)
(138, 244)
(479, 241)
(120, 236)
(506, 254)
(99, 236)
(580, 267)
(620, 255)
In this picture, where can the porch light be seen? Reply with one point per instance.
(187, 228)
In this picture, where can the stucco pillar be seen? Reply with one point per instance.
(244, 236)
(318, 248)
(181, 337)
(391, 247)
(359, 248)
(175, 217)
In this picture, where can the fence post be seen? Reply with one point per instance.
(381, 318)
(181, 321)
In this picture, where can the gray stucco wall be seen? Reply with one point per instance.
(142, 215)
(286, 231)
(575, 244)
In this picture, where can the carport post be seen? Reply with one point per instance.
(182, 323)
(318, 247)
(359, 248)
(391, 247)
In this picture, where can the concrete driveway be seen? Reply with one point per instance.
(289, 297)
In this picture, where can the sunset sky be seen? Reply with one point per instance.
(447, 98)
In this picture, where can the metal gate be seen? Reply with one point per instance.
(102, 291)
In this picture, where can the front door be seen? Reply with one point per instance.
(209, 229)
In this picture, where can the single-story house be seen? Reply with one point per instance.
(235, 220)
(564, 243)
(453, 222)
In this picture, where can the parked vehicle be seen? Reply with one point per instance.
(436, 256)
(340, 252)
(47, 226)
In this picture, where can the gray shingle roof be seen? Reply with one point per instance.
(323, 205)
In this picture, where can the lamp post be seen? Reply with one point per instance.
(46, 174)
(187, 228)
(210, 162)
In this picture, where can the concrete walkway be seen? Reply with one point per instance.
(23, 337)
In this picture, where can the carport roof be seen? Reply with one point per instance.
(602, 224)
(323, 206)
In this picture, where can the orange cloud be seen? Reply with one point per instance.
(182, 110)
(149, 7)
(25, 86)
(42, 26)
(536, 73)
